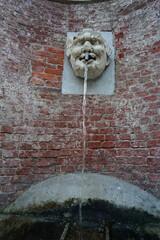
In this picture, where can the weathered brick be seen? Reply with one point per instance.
(53, 49)
(7, 129)
(53, 71)
(97, 137)
(45, 54)
(154, 177)
(55, 61)
(153, 143)
(94, 145)
(38, 81)
(123, 144)
(53, 84)
(8, 145)
(44, 76)
(108, 144)
(37, 69)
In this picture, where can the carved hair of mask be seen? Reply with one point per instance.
(92, 43)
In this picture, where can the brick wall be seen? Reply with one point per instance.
(41, 129)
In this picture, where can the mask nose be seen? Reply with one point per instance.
(87, 46)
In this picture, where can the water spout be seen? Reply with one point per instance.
(86, 56)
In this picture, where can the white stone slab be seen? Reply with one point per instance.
(95, 186)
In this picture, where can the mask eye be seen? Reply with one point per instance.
(92, 41)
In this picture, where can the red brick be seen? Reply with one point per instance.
(145, 120)
(41, 64)
(4, 180)
(44, 170)
(60, 56)
(45, 162)
(39, 145)
(8, 172)
(96, 137)
(21, 129)
(154, 177)
(153, 143)
(140, 6)
(53, 84)
(110, 137)
(45, 54)
(155, 50)
(124, 136)
(121, 55)
(109, 152)
(104, 130)
(151, 98)
(153, 128)
(38, 81)
(91, 130)
(60, 124)
(23, 171)
(95, 167)
(28, 154)
(95, 118)
(155, 135)
(155, 152)
(37, 47)
(142, 136)
(37, 69)
(40, 59)
(48, 153)
(154, 160)
(72, 153)
(94, 144)
(53, 49)
(17, 179)
(138, 176)
(147, 169)
(60, 67)
(119, 35)
(27, 163)
(67, 168)
(8, 145)
(53, 71)
(139, 144)
(123, 144)
(124, 152)
(45, 76)
(47, 96)
(55, 61)
(108, 144)
(11, 163)
(136, 160)
(151, 112)
(7, 129)
(156, 119)
(140, 152)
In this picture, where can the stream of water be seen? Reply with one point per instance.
(84, 143)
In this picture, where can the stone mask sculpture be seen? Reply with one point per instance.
(94, 45)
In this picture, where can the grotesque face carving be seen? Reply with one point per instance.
(92, 43)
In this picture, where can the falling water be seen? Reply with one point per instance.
(84, 117)
(84, 142)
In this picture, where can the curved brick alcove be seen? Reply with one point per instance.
(41, 129)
